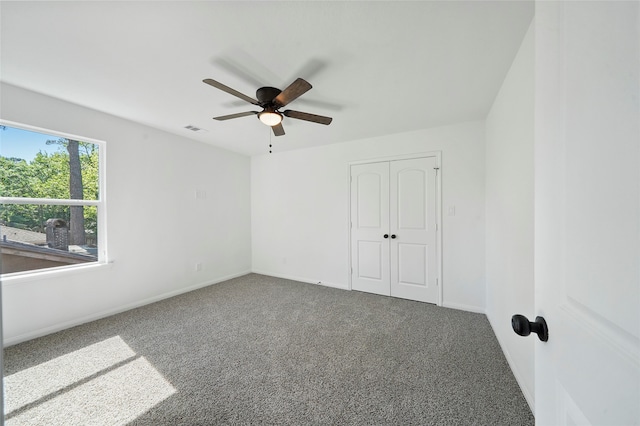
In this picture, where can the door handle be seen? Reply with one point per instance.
(386, 235)
(393, 236)
(522, 326)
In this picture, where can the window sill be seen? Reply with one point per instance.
(62, 271)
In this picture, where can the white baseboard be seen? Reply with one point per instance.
(302, 279)
(516, 373)
(82, 320)
(463, 307)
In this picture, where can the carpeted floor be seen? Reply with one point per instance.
(263, 350)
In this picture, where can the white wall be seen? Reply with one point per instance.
(510, 212)
(300, 204)
(156, 228)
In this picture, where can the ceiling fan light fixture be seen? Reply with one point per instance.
(270, 118)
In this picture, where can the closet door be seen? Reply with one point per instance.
(413, 255)
(369, 225)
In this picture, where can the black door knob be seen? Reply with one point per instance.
(386, 235)
(522, 326)
(393, 236)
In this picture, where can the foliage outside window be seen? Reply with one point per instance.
(50, 201)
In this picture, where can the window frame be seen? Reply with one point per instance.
(99, 203)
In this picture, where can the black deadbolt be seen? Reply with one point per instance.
(522, 326)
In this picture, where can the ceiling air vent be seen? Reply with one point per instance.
(194, 128)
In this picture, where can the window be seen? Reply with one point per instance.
(51, 202)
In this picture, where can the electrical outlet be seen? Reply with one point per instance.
(198, 267)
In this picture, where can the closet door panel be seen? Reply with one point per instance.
(369, 224)
(412, 215)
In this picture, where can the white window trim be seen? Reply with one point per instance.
(100, 203)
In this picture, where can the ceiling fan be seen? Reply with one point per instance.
(271, 100)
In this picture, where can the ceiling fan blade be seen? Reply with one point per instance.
(230, 91)
(278, 130)
(238, 115)
(308, 117)
(292, 92)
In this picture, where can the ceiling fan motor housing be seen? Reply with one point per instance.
(266, 95)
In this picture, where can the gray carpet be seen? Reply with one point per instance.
(262, 350)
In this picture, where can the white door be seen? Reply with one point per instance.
(393, 229)
(587, 212)
(413, 224)
(369, 224)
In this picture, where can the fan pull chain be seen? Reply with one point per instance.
(270, 145)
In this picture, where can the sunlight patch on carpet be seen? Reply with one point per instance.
(107, 378)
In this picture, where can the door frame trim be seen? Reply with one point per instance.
(439, 256)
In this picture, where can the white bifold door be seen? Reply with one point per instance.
(394, 229)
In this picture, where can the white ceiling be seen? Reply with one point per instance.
(377, 67)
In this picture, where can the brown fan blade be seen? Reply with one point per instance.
(278, 130)
(238, 115)
(308, 117)
(292, 92)
(230, 91)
